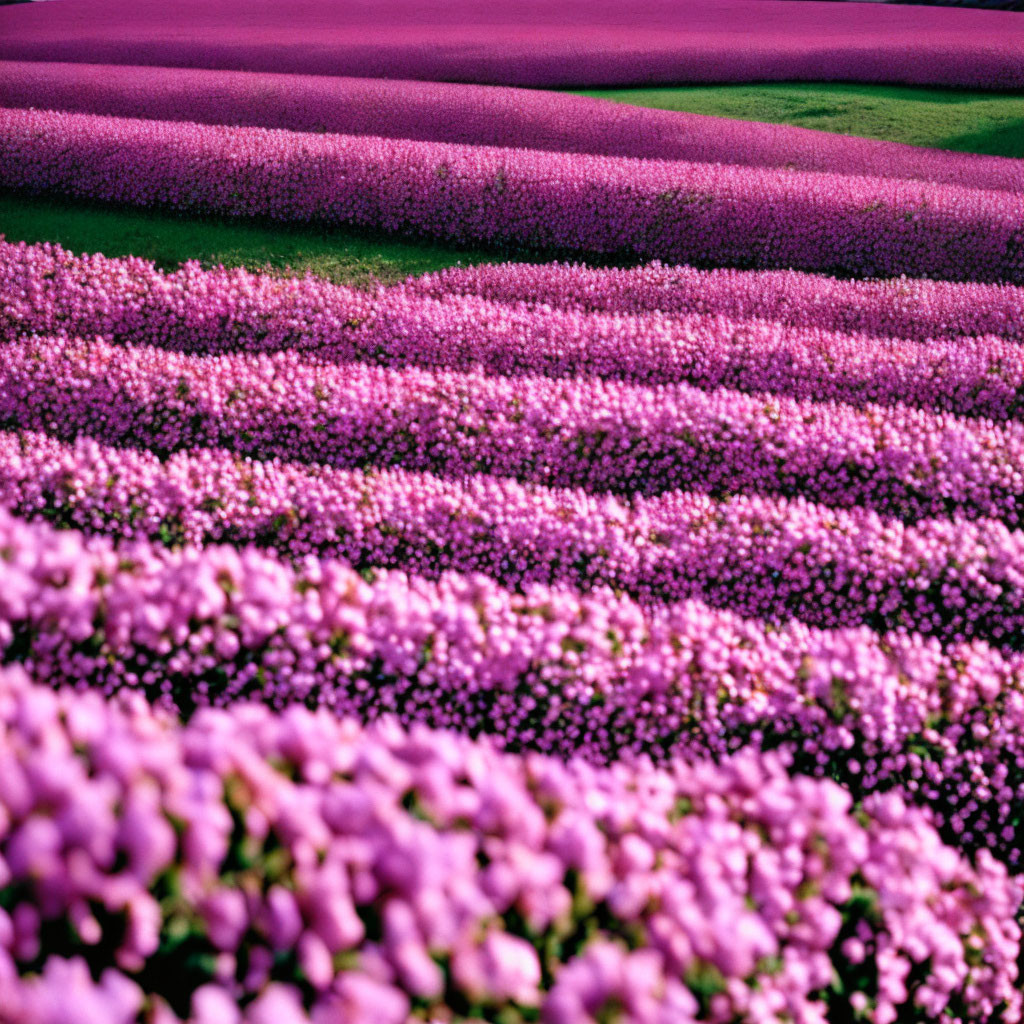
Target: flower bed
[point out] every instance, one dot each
(191, 310)
(539, 42)
(566, 673)
(290, 868)
(913, 308)
(770, 558)
(476, 115)
(528, 199)
(600, 435)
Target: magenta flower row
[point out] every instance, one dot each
(600, 435)
(579, 203)
(539, 42)
(551, 669)
(768, 558)
(47, 291)
(477, 115)
(901, 307)
(314, 871)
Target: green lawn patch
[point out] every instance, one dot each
(340, 256)
(971, 122)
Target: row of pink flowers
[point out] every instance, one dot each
(314, 871)
(599, 435)
(770, 558)
(550, 669)
(901, 307)
(44, 290)
(538, 42)
(477, 115)
(527, 199)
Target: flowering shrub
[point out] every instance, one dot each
(477, 115)
(47, 290)
(761, 557)
(578, 203)
(567, 673)
(309, 870)
(587, 433)
(538, 42)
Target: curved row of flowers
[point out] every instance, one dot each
(308, 870)
(900, 307)
(48, 289)
(193, 310)
(579, 203)
(477, 115)
(601, 435)
(554, 43)
(550, 669)
(768, 558)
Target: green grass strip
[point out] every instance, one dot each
(969, 122)
(340, 256)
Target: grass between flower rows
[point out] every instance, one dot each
(966, 121)
(345, 257)
(969, 122)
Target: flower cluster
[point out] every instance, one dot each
(600, 435)
(550, 669)
(294, 868)
(477, 115)
(44, 289)
(538, 42)
(527, 199)
(768, 558)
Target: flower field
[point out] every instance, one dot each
(580, 204)
(567, 43)
(475, 115)
(625, 627)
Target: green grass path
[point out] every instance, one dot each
(967, 121)
(340, 256)
(970, 122)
